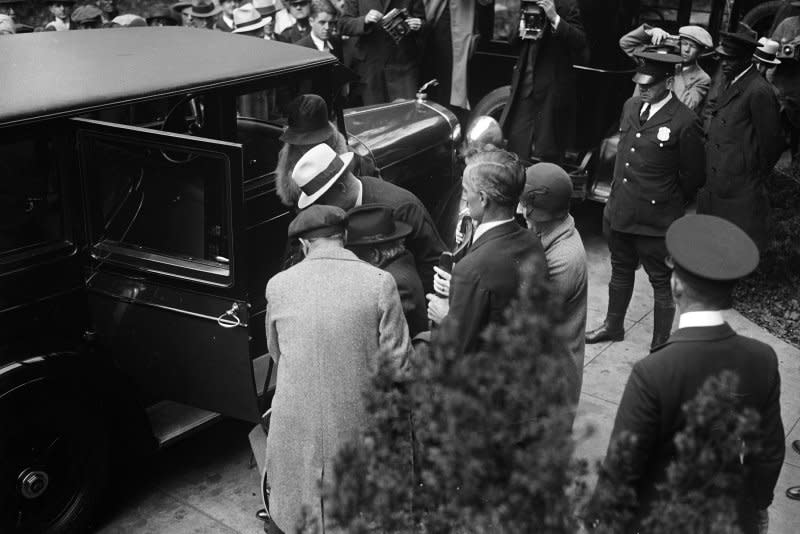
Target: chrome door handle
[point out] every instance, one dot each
(229, 319)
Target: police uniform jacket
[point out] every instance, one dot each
(743, 143)
(658, 169)
(661, 383)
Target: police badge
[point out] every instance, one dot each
(663, 134)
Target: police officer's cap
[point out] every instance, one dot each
(318, 220)
(711, 248)
(655, 66)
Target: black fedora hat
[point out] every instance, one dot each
(308, 121)
(742, 42)
(372, 224)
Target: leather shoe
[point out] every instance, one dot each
(262, 514)
(604, 333)
(793, 493)
(796, 446)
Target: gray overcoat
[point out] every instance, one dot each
(328, 318)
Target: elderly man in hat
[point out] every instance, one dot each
(743, 139)
(765, 58)
(374, 236)
(690, 83)
(709, 254)
(60, 10)
(347, 191)
(203, 14)
(331, 320)
(248, 21)
(267, 9)
(658, 169)
(183, 9)
(545, 205)
(87, 17)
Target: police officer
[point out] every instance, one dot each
(659, 168)
(709, 254)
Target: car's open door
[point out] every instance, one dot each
(167, 282)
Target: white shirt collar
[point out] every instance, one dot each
(485, 227)
(700, 318)
(745, 71)
(321, 45)
(654, 107)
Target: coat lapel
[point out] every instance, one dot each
(496, 232)
(734, 90)
(662, 115)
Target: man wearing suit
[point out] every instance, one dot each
(388, 69)
(659, 167)
(330, 320)
(743, 139)
(487, 279)
(374, 236)
(542, 107)
(709, 254)
(346, 191)
(323, 20)
(690, 83)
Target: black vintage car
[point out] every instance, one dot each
(604, 82)
(139, 225)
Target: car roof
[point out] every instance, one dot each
(50, 74)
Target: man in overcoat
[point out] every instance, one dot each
(330, 319)
(542, 107)
(709, 254)
(389, 69)
(658, 169)
(743, 139)
(487, 279)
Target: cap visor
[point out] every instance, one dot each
(305, 200)
(645, 79)
(314, 137)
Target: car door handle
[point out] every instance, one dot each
(230, 319)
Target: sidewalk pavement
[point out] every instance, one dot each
(207, 484)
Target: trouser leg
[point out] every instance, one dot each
(653, 253)
(624, 260)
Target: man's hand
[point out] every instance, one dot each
(414, 24)
(373, 16)
(549, 9)
(657, 35)
(437, 308)
(441, 282)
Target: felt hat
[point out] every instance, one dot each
(86, 13)
(204, 9)
(307, 117)
(711, 248)
(247, 19)
(740, 43)
(697, 34)
(161, 11)
(318, 221)
(265, 7)
(655, 66)
(547, 192)
(372, 224)
(178, 7)
(317, 171)
(767, 52)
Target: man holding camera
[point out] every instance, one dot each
(539, 119)
(786, 79)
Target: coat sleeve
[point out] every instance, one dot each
(570, 30)
(394, 342)
(768, 465)
(635, 40)
(352, 20)
(469, 307)
(765, 114)
(272, 331)
(691, 174)
(424, 241)
(697, 91)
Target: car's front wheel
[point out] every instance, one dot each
(53, 458)
(492, 104)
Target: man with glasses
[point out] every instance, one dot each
(300, 10)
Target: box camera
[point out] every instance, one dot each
(790, 50)
(533, 20)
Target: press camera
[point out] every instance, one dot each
(533, 20)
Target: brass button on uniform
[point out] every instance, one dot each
(638, 134)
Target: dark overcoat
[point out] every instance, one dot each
(658, 170)
(383, 65)
(335, 42)
(550, 115)
(743, 143)
(424, 241)
(409, 286)
(487, 279)
(661, 383)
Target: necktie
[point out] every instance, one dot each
(645, 114)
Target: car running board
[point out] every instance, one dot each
(172, 421)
